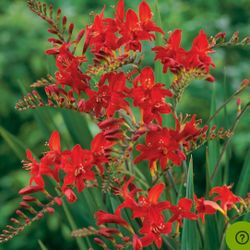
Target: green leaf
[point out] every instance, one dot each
(243, 185)
(44, 116)
(211, 240)
(42, 246)
(15, 144)
(78, 127)
(80, 242)
(190, 237)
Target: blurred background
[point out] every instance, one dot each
(23, 39)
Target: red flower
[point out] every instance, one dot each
(51, 162)
(135, 30)
(204, 207)
(153, 232)
(148, 206)
(171, 55)
(150, 212)
(100, 36)
(78, 168)
(227, 198)
(161, 145)
(189, 132)
(175, 58)
(69, 72)
(150, 96)
(108, 98)
(198, 55)
(182, 210)
(98, 146)
(128, 196)
(34, 168)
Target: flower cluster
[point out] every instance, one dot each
(76, 164)
(150, 211)
(177, 59)
(129, 106)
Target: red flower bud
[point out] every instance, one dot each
(30, 190)
(50, 210)
(58, 201)
(29, 198)
(70, 195)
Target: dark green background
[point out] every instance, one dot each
(23, 39)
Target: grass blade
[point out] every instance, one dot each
(78, 128)
(190, 238)
(79, 241)
(42, 246)
(243, 185)
(15, 144)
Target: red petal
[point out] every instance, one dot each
(213, 205)
(185, 203)
(29, 155)
(200, 42)
(147, 78)
(175, 39)
(155, 193)
(120, 10)
(76, 154)
(131, 19)
(145, 12)
(137, 244)
(54, 141)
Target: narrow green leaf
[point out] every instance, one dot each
(208, 174)
(42, 246)
(211, 240)
(78, 127)
(190, 237)
(80, 241)
(15, 144)
(211, 236)
(43, 116)
(243, 185)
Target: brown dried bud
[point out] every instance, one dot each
(220, 35)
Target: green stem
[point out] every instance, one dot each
(225, 103)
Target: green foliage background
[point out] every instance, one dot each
(23, 38)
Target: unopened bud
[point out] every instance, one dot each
(30, 190)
